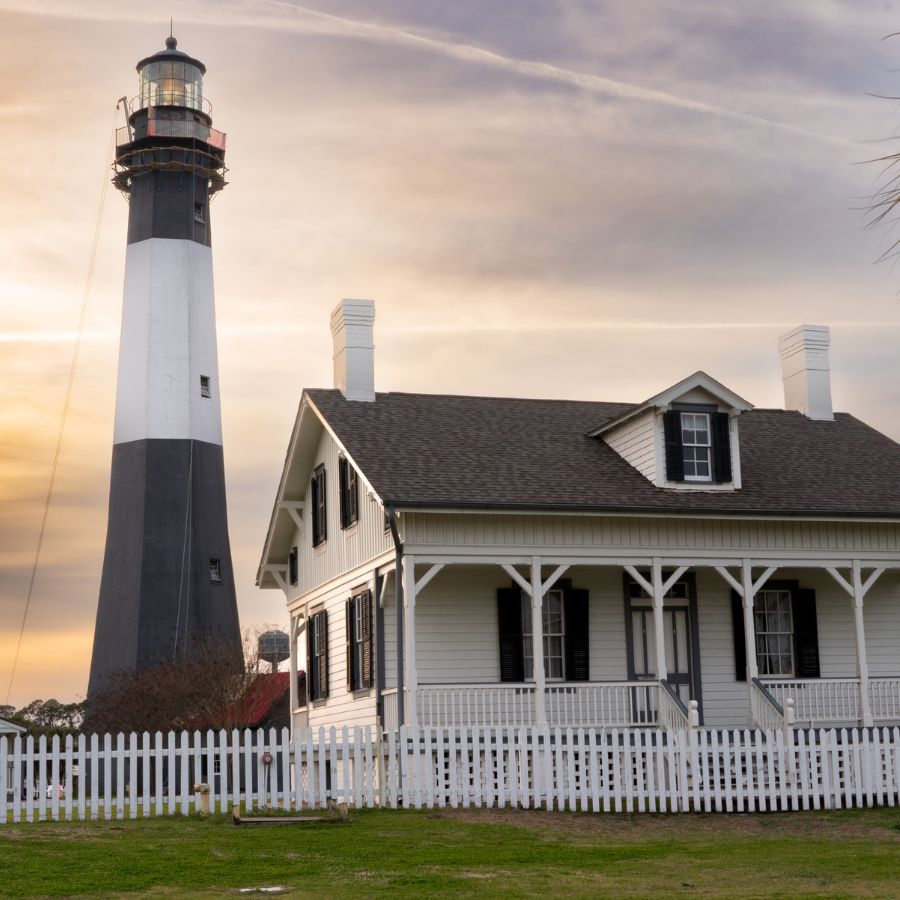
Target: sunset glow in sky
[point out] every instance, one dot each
(551, 198)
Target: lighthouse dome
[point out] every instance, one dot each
(171, 78)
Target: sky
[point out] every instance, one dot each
(549, 198)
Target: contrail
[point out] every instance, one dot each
(596, 84)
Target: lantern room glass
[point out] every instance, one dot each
(171, 83)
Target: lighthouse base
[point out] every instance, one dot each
(167, 585)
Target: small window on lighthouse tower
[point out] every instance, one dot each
(215, 571)
(205, 390)
(199, 212)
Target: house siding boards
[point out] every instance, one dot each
(635, 442)
(343, 549)
(882, 621)
(633, 534)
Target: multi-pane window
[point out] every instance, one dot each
(554, 636)
(697, 444)
(774, 623)
(349, 489)
(317, 497)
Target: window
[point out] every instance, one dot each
(697, 445)
(215, 571)
(774, 623)
(786, 632)
(554, 636)
(359, 642)
(349, 491)
(317, 654)
(566, 639)
(317, 496)
(199, 213)
(204, 387)
(293, 573)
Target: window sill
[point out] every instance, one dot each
(351, 529)
(320, 547)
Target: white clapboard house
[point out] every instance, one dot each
(459, 561)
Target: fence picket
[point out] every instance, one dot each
(132, 792)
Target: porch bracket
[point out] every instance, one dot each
(428, 576)
(294, 508)
(633, 572)
(519, 580)
(667, 584)
(383, 592)
(278, 573)
(557, 574)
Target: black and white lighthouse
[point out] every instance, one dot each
(167, 579)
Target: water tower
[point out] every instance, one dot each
(274, 646)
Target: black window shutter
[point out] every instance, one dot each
(321, 508)
(292, 566)
(740, 645)
(310, 659)
(367, 674)
(349, 618)
(509, 616)
(674, 448)
(352, 495)
(577, 638)
(342, 491)
(721, 446)
(806, 633)
(322, 642)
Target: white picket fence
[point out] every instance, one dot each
(628, 770)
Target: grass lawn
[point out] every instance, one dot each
(487, 853)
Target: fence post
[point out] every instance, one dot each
(693, 714)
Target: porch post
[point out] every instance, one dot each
(409, 616)
(295, 626)
(747, 597)
(537, 639)
(861, 657)
(662, 672)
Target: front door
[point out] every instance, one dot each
(676, 627)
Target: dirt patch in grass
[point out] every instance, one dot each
(833, 825)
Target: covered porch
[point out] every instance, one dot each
(653, 664)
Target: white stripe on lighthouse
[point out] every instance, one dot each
(168, 342)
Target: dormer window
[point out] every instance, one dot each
(698, 445)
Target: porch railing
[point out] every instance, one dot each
(616, 704)
(621, 704)
(467, 705)
(884, 699)
(768, 713)
(673, 714)
(390, 715)
(819, 701)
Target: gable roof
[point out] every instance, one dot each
(7, 727)
(433, 450)
(662, 400)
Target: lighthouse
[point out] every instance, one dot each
(167, 584)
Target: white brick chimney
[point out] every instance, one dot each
(806, 371)
(352, 329)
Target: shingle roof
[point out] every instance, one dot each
(438, 450)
